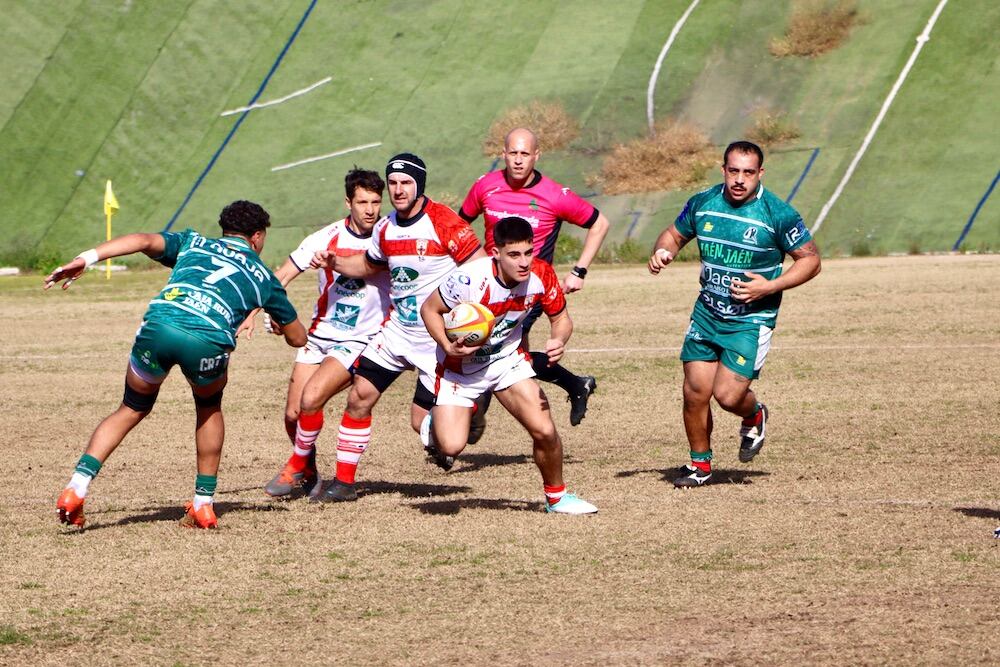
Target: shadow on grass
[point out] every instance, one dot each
(452, 507)
(719, 475)
(410, 490)
(979, 512)
(174, 514)
(478, 461)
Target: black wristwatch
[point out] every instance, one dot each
(579, 272)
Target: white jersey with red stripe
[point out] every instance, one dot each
(347, 308)
(479, 282)
(419, 253)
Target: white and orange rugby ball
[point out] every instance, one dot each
(473, 320)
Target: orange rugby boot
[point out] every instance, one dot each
(70, 508)
(204, 517)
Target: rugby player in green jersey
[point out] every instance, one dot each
(214, 285)
(744, 232)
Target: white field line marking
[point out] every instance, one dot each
(922, 39)
(271, 103)
(328, 155)
(602, 350)
(659, 62)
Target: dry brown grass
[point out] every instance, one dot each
(854, 538)
(675, 157)
(550, 122)
(815, 27)
(772, 128)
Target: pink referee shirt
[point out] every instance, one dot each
(542, 202)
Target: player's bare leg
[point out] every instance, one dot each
(734, 394)
(209, 434)
(451, 428)
(104, 440)
(301, 374)
(527, 403)
(322, 382)
(699, 378)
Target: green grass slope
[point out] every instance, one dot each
(133, 92)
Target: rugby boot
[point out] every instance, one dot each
(70, 508)
(752, 433)
(285, 482)
(689, 476)
(338, 492)
(570, 504)
(203, 517)
(578, 399)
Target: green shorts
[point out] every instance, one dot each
(741, 348)
(158, 347)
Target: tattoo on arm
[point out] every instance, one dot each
(808, 249)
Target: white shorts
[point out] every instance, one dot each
(317, 349)
(398, 350)
(463, 390)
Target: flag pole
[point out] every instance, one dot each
(110, 206)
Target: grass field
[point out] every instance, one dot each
(133, 91)
(860, 535)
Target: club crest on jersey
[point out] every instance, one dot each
(708, 226)
(750, 235)
(172, 294)
(421, 249)
(345, 317)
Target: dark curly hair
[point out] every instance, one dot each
(244, 218)
(360, 178)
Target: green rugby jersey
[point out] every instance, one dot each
(753, 237)
(214, 285)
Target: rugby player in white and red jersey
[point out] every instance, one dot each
(348, 313)
(510, 283)
(521, 190)
(419, 243)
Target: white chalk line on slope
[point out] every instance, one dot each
(922, 39)
(659, 62)
(271, 103)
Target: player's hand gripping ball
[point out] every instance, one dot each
(472, 320)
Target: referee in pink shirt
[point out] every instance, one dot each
(520, 190)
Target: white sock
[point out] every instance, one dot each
(201, 501)
(79, 483)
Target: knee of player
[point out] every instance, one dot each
(696, 396)
(544, 435)
(728, 399)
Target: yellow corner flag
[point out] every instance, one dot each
(110, 206)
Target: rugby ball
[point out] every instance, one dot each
(473, 320)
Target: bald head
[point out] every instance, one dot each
(520, 152)
(523, 136)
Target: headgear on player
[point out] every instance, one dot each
(411, 165)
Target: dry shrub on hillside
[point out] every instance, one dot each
(675, 157)
(550, 122)
(772, 128)
(816, 26)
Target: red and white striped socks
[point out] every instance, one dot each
(352, 441)
(306, 431)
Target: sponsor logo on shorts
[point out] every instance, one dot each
(693, 333)
(345, 316)
(741, 360)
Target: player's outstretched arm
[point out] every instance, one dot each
(152, 245)
(667, 245)
(561, 329)
(591, 246)
(353, 266)
(285, 274)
